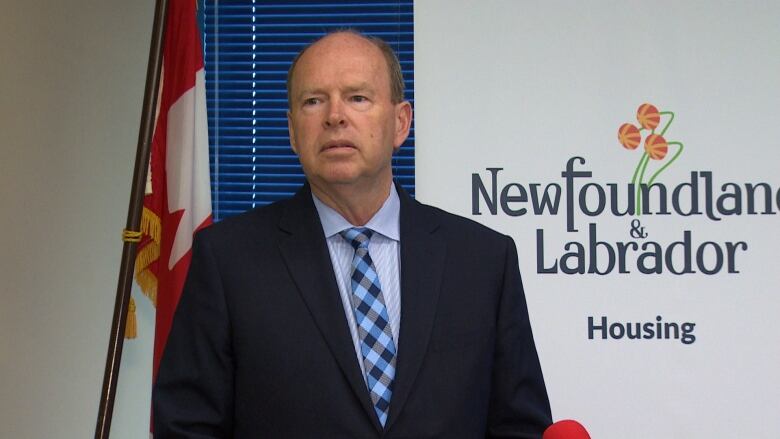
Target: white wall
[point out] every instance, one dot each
(71, 84)
(526, 86)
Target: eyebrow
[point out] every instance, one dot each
(363, 86)
(360, 87)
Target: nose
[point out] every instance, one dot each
(335, 115)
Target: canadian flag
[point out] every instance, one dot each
(178, 199)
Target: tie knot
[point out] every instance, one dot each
(357, 236)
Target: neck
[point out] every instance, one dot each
(356, 205)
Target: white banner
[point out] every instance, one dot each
(649, 260)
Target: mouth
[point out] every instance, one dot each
(335, 145)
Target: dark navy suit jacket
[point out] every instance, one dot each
(260, 346)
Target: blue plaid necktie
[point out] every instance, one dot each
(376, 339)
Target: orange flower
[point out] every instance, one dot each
(656, 146)
(629, 136)
(648, 116)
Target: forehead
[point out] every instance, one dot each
(341, 58)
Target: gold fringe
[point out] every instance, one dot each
(148, 283)
(143, 275)
(131, 328)
(150, 225)
(146, 256)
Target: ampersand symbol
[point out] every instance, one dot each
(637, 230)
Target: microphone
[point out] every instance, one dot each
(566, 429)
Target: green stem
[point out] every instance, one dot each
(640, 170)
(667, 164)
(638, 165)
(668, 123)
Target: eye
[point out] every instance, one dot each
(358, 98)
(310, 101)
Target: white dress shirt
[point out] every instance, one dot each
(384, 249)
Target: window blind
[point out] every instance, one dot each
(249, 46)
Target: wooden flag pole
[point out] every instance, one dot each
(146, 130)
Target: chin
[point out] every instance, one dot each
(340, 175)
(338, 179)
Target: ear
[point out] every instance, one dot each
(403, 123)
(292, 132)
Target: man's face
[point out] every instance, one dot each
(343, 124)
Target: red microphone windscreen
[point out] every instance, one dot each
(566, 429)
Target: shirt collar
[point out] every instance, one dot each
(385, 221)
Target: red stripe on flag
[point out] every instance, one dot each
(182, 59)
(182, 52)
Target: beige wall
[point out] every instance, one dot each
(71, 83)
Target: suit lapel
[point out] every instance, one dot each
(306, 254)
(422, 265)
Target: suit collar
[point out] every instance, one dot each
(305, 253)
(422, 265)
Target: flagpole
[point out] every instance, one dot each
(114, 356)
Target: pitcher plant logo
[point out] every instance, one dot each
(648, 202)
(656, 146)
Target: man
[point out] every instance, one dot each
(350, 310)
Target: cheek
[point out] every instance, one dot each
(305, 134)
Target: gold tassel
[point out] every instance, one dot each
(131, 329)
